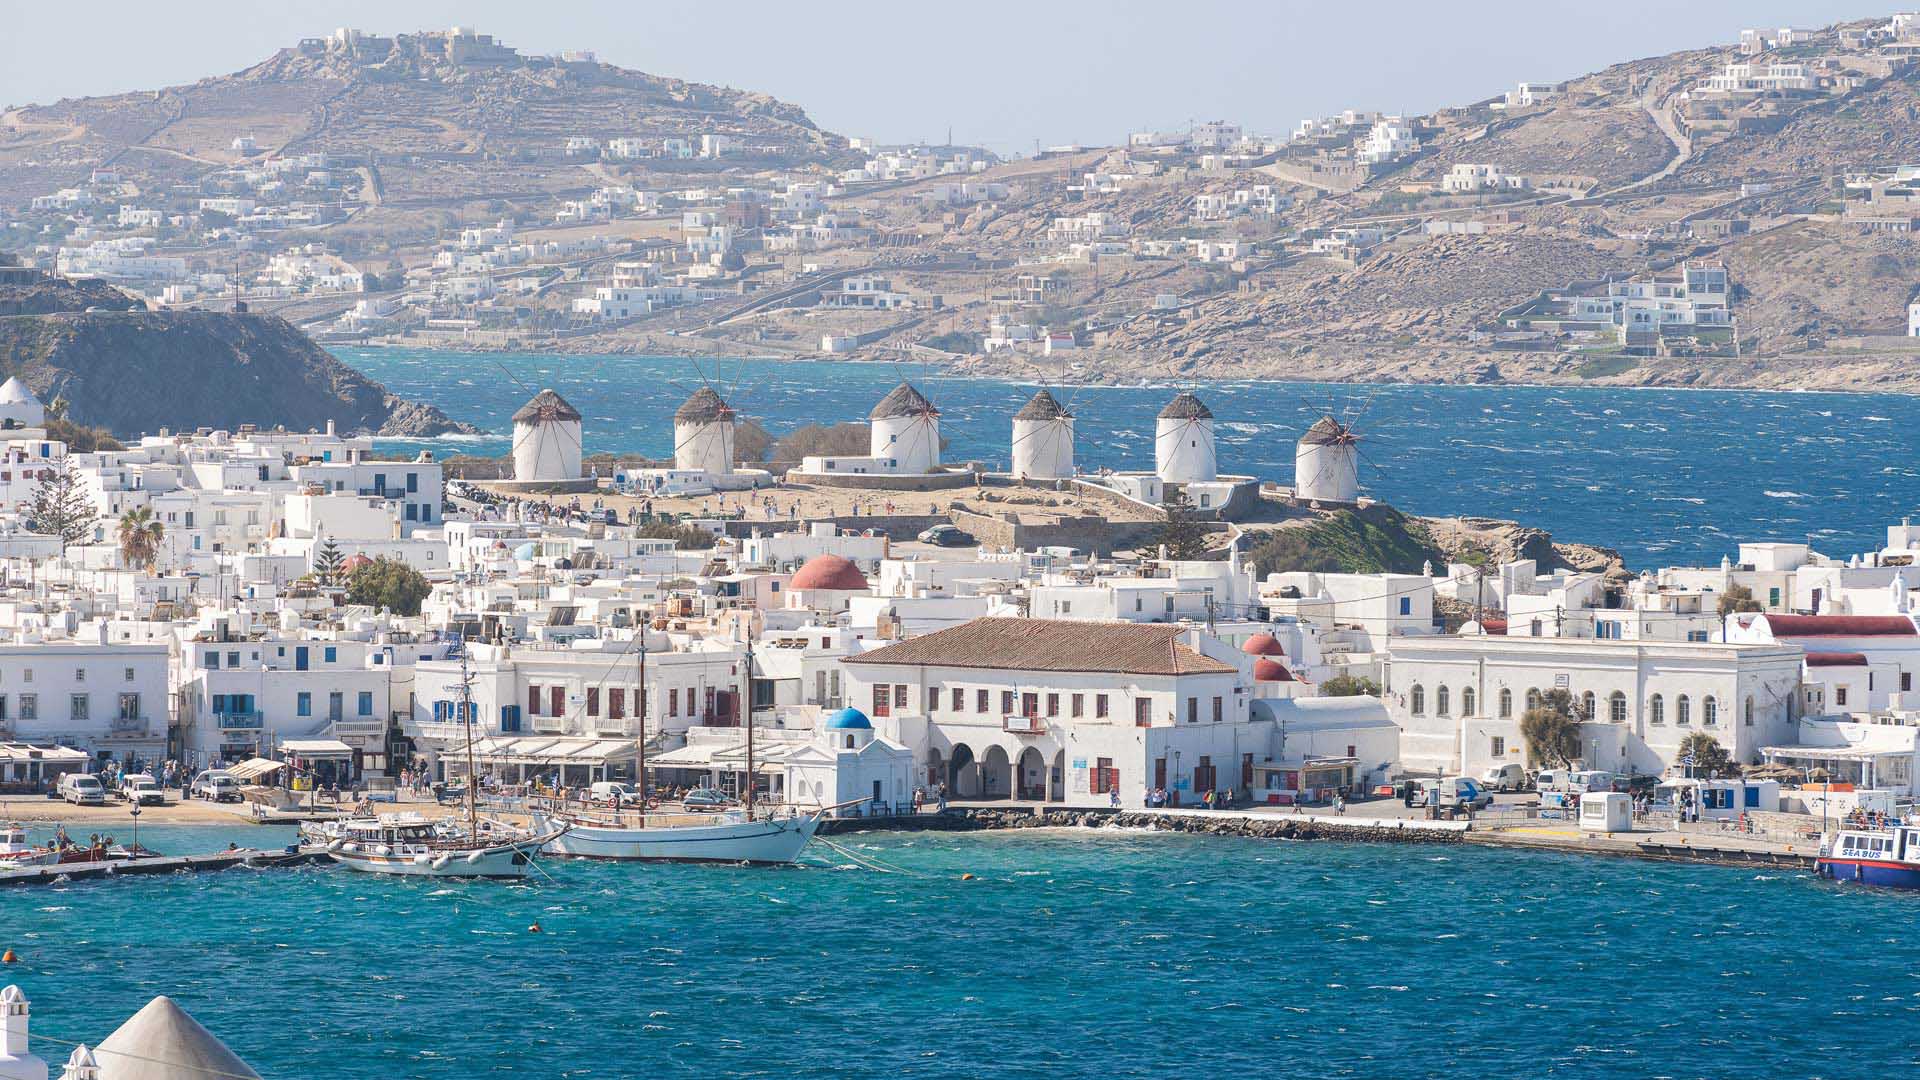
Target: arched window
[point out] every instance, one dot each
(1710, 711)
(1683, 711)
(1657, 710)
(1466, 701)
(1749, 712)
(1419, 699)
(1617, 707)
(1533, 700)
(1506, 704)
(1440, 702)
(1586, 705)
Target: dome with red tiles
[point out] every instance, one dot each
(829, 572)
(1269, 670)
(354, 564)
(1263, 645)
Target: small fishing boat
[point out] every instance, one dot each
(409, 845)
(1888, 856)
(15, 851)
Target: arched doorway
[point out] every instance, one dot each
(1030, 778)
(1057, 778)
(996, 774)
(936, 770)
(963, 773)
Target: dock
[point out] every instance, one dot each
(60, 873)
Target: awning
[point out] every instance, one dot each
(1828, 753)
(725, 758)
(255, 768)
(316, 748)
(58, 755)
(545, 750)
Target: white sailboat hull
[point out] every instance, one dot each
(512, 860)
(777, 840)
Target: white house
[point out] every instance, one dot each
(847, 763)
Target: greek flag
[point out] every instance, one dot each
(1688, 760)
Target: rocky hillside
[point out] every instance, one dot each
(397, 101)
(129, 370)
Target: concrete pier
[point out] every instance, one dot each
(166, 864)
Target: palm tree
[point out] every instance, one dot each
(140, 534)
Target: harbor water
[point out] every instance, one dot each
(1071, 954)
(1665, 476)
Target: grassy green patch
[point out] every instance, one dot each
(1378, 539)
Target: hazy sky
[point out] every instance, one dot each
(1000, 72)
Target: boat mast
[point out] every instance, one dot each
(640, 629)
(466, 718)
(746, 708)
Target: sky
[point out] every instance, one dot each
(999, 73)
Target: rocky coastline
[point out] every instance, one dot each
(1253, 826)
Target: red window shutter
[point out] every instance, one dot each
(557, 697)
(533, 700)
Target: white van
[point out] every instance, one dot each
(610, 791)
(142, 789)
(82, 789)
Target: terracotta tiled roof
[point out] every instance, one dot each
(1049, 645)
(1799, 626)
(1263, 644)
(1267, 669)
(1836, 659)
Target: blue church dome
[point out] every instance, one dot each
(850, 718)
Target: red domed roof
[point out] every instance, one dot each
(354, 562)
(1263, 645)
(829, 572)
(1268, 670)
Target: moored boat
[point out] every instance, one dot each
(1887, 856)
(15, 851)
(729, 836)
(412, 846)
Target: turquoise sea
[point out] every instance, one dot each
(1665, 476)
(1071, 955)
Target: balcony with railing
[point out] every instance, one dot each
(1024, 725)
(359, 725)
(238, 721)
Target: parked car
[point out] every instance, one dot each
(82, 789)
(947, 536)
(141, 789)
(1457, 793)
(1508, 777)
(705, 799)
(610, 791)
(219, 785)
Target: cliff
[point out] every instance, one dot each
(140, 371)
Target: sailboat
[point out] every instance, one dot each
(744, 835)
(410, 845)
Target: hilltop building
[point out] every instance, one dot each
(1042, 439)
(703, 453)
(903, 448)
(1326, 465)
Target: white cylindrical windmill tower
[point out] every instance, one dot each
(703, 434)
(906, 428)
(1042, 440)
(1326, 463)
(546, 440)
(1183, 442)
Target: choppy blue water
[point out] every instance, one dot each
(1666, 476)
(1071, 956)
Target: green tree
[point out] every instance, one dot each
(1551, 730)
(140, 534)
(1737, 598)
(390, 584)
(1349, 686)
(1710, 759)
(326, 562)
(1182, 535)
(60, 507)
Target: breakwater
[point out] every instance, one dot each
(1201, 822)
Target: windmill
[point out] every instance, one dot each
(1326, 460)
